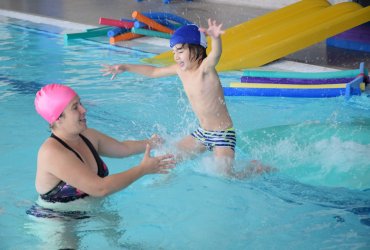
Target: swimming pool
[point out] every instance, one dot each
(319, 199)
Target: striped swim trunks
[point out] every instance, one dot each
(211, 139)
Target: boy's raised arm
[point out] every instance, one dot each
(215, 32)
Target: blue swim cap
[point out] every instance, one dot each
(189, 34)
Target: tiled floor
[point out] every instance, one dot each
(89, 12)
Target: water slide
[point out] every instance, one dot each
(281, 32)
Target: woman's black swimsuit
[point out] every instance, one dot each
(64, 192)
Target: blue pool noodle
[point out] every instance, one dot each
(168, 16)
(268, 92)
(127, 20)
(348, 44)
(116, 31)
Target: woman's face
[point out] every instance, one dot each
(74, 116)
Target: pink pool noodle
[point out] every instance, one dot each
(117, 23)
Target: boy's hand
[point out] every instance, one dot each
(112, 69)
(213, 30)
(156, 141)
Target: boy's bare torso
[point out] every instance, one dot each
(206, 97)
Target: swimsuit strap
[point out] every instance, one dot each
(61, 184)
(102, 170)
(63, 192)
(99, 161)
(66, 145)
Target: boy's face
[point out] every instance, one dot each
(181, 55)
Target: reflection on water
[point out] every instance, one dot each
(69, 229)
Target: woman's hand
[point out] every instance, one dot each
(156, 165)
(113, 69)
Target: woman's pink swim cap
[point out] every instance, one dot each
(52, 99)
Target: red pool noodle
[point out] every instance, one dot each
(117, 23)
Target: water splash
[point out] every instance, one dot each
(327, 154)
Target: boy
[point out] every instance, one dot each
(203, 88)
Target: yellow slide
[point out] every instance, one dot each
(282, 32)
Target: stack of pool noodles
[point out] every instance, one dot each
(300, 84)
(156, 24)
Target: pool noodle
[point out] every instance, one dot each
(147, 32)
(87, 34)
(306, 93)
(117, 23)
(124, 37)
(116, 31)
(246, 79)
(349, 88)
(138, 24)
(151, 23)
(176, 26)
(307, 75)
(168, 16)
(127, 20)
(348, 44)
(100, 28)
(286, 86)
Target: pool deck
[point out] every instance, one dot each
(88, 12)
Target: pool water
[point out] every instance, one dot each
(318, 199)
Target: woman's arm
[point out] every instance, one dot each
(108, 146)
(149, 165)
(65, 166)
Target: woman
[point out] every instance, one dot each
(69, 166)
